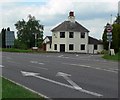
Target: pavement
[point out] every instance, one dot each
(63, 75)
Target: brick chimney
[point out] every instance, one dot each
(71, 17)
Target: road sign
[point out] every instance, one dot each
(109, 37)
(109, 33)
(109, 28)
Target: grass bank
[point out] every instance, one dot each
(11, 90)
(116, 57)
(20, 50)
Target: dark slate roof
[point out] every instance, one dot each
(93, 41)
(50, 38)
(70, 26)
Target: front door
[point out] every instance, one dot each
(62, 47)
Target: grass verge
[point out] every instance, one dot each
(21, 51)
(12, 90)
(114, 58)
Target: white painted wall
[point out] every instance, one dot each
(77, 41)
(48, 47)
(91, 48)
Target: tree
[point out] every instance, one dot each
(104, 38)
(8, 29)
(115, 38)
(3, 37)
(26, 31)
(117, 21)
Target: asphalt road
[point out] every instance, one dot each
(59, 75)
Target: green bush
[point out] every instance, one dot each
(104, 52)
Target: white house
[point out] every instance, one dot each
(70, 36)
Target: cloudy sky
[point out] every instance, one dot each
(92, 14)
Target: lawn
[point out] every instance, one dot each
(114, 58)
(21, 51)
(12, 90)
(15, 50)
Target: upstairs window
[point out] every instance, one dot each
(82, 46)
(71, 47)
(62, 34)
(95, 47)
(82, 35)
(71, 34)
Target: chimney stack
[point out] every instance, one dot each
(71, 17)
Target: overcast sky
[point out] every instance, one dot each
(92, 14)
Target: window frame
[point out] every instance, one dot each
(95, 47)
(55, 46)
(81, 48)
(71, 36)
(71, 47)
(50, 45)
(61, 35)
(81, 35)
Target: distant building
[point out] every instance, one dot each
(70, 36)
(9, 39)
(119, 8)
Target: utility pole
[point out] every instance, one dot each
(111, 19)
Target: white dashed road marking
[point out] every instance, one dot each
(109, 70)
(1, 66)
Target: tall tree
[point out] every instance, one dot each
(117, 21)
(104, 38)
(8, 29)
(27, 30)
(3, 37)
(115, 38)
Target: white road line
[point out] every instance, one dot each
(8, 57)
(41, 63)
(60, 56)
(1, 66)
(66, 77)
(92, 67)
(35, 62)
(59, 83)
(28, 65)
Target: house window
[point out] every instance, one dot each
(95, 47)
(82, 35)
(82, 46)
(55, 46)
(71, 47)
(50, 45)
(62, 34)
(71, 35)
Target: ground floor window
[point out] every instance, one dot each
(95, 47)
(82, 46)
(71, 47)
(50, 45)
(55, 46)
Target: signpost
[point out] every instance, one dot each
(35, 48)
(109, 35)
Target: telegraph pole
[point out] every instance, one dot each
(111, 19)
